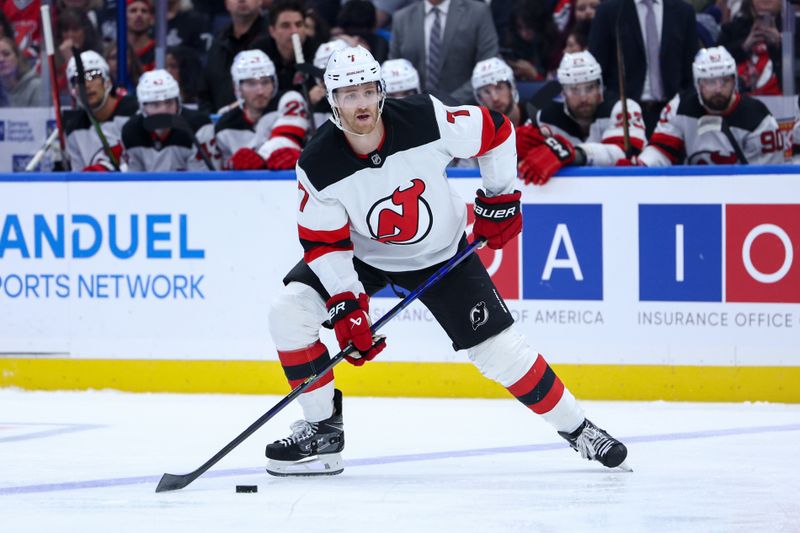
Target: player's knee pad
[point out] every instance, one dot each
(295, 317)
(505, 358)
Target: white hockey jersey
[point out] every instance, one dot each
(83, 145)
(605, 143)
(283, 125)
(394, 208)
(687, 134)
(144, 151)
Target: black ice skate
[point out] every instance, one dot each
(313, 448)
(594, 444)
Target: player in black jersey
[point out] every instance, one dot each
(375, 207)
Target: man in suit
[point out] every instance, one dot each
(444, 39)
(659, 42)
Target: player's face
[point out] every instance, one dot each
(95, 87)
(257, 92)
(583, 98)
(164, 107)
(358, 107)
(497, 97)
(717, 92)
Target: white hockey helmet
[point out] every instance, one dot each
(579, 67)
(323, 53)
(399, 75)
(351, 66)
(491, 71)
(157, 86)
(249, 65)
(91, 61)
(714, 62)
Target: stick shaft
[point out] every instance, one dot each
(47, 29)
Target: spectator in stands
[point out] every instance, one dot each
(84, 148)
(21, 85)
(444, 39)
(149, 149)
(659, 41)
(188, 27)
(246, 31)
(25, 20)
(5, 28)
(317, 28)
(578, 37)
(73, 29)
(183, 64)
(753, 38)
(714, 124)
(267, 129)
(288, 17)
(587, 129)
(585, 10)
(535, 47)
(400, 77)
(134, 66)
(140, 22)
(357, 19)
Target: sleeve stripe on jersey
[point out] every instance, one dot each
(496, 129)
(318, 243)
(636, 143)
(669, 145)
(294, 133)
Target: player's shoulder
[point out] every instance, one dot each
(748, 114)
(134, 134)
(553, 114)
(233, 120)
(688, 104)
(196, 119)
(412, 120)
(75, 119)
(127, 107)
(326, 158)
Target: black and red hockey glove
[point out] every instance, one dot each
(247, 159)
(349, 317)
(498, 219)
(539, 165)
(528, 138)
(283, 159)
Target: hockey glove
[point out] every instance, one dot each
(247, 159)
(541, 163)
(528, 138)
(349, 317)
(99, 167)
(497, 219)
(283, 159)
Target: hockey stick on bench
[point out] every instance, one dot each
(178, 481)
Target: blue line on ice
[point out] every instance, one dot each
(390, 459)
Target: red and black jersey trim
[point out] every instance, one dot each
(495, 130)
(747, 113)
(235, 119)
(554, 113)
(318, 243)
(410, 122)
(540, 388)
(670, 146)
(299, 365)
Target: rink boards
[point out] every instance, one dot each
(679, 284)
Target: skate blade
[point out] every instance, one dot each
(321, 465)
(623, 466)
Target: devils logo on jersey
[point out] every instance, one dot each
(478, 315)
(404, 217)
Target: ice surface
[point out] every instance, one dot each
(90, 462)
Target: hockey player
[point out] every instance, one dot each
(585, 130)
(494, 87)
(375, 208)
(714, 123)
(84, 148)
(321, 110)
(267, 129)
(400, 77)
(165, 149)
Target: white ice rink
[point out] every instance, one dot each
(89, 462)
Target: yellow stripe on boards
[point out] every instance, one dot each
(434, 380)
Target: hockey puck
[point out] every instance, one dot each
(246, 488)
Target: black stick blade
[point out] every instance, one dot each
(172, 482)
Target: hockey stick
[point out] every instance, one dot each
(37, 157)
(626, 132)
(85, 103)
(165, 121)
(300, 59)
(47, 30)
(174, 482)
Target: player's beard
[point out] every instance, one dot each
(584, 111)
(717, 102)
(361, 121)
